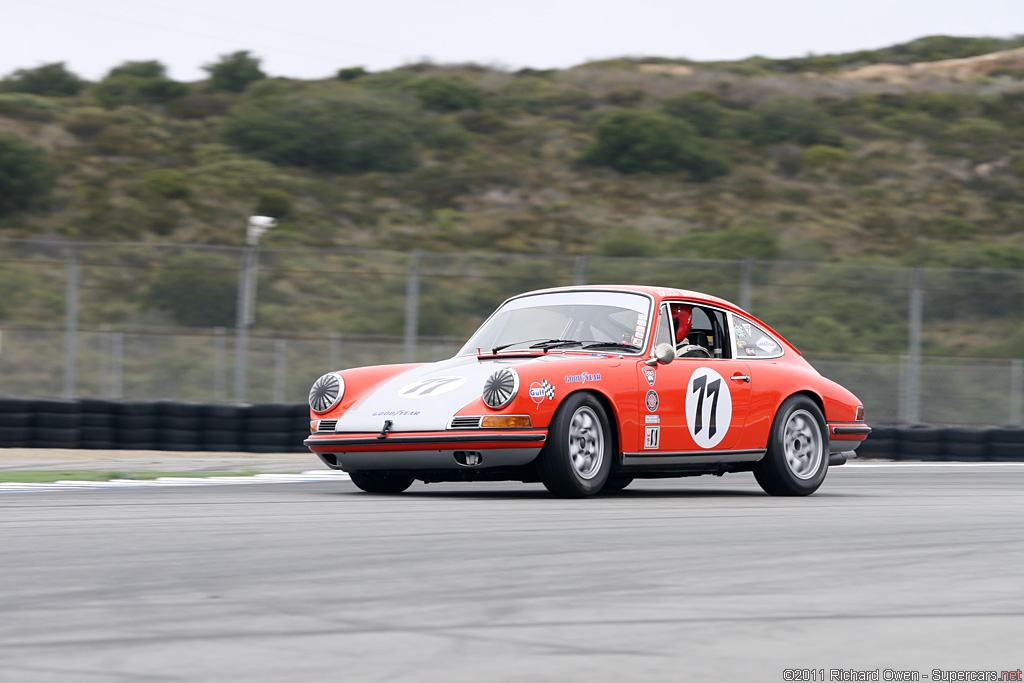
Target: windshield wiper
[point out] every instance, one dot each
(555, 343)
(613, 345)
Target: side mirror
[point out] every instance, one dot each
(663, 354)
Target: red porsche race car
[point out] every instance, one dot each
(586, 389)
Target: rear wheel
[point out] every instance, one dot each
(797, 458)
(577, 456)
(380, 482)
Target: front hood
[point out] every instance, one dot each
(425, 398)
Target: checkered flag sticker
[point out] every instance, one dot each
(549, 390)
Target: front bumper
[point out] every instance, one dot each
(426, 450)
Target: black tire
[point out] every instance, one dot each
(380, 482)
(273, 424)
(797, 458)
(15, 419)
(577, 469)
(615, 483)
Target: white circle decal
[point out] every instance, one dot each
(708, 407)
(431, 387)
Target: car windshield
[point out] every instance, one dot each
(566, 320)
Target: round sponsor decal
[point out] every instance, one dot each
(652, 400)
(431, 387)
(708, 407)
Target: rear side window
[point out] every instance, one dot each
(752, 341)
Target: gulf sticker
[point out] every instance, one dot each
(708, 407)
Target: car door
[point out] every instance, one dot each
(693, 404)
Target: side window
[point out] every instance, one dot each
(752, 341)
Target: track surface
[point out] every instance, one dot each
(905, 567)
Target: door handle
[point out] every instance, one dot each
(745, 378)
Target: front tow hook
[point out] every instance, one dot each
(385, 429)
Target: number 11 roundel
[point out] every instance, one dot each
(708, 407)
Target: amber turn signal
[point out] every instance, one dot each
(506, 421)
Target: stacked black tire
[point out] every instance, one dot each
(944, 443)
(152, 425)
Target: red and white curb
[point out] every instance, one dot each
(301, 478)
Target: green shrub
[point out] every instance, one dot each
(138, 83)
(634, 141)
(791, 118)
(351, 73)
(274, 203)
(737, 242)
(167, 182)
(344, 132)
(28, 107)
(49, 80)
(483, 122)
(823, 155)
(234, 72)
(701, 110)
(87, 123)
(916, 123)
(629, 243)
(196, 289)
(445, 94)
(625, 97)
(976, 138)
(201, 105)
(25, 176)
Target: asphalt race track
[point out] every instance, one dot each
(906, 567)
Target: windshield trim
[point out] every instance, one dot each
(648, 334)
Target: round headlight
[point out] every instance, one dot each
(326, 392)
(500, 388)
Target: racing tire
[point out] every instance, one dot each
(797, 459)
(380, 482)
(616, 483)
(577, 458)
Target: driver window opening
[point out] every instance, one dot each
(698, 332)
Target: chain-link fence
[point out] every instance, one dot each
(162, 321)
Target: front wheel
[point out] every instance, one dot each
(380, 482)
(797, 458)
(577, 456)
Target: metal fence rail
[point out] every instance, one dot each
(99, 319)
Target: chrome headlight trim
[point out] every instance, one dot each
(500, 388)
(326, 392)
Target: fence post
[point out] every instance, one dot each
(117, 364)
(220, 355)
(747, 285)
(246, 315)
(579, 277)
(412, 307)
(280, 369)
(71, 322)
(914, 322)
(1016, 391)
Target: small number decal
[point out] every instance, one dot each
(708, 407)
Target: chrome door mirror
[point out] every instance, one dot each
(663, 354)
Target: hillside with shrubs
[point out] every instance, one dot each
(810, 158)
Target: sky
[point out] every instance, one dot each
(314, 38)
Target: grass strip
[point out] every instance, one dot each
(50, 476)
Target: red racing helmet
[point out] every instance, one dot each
(682, 317)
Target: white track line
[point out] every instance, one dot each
(67, 484)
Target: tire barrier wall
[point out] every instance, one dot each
(940, 442)
(282, 427)
(153, 425)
